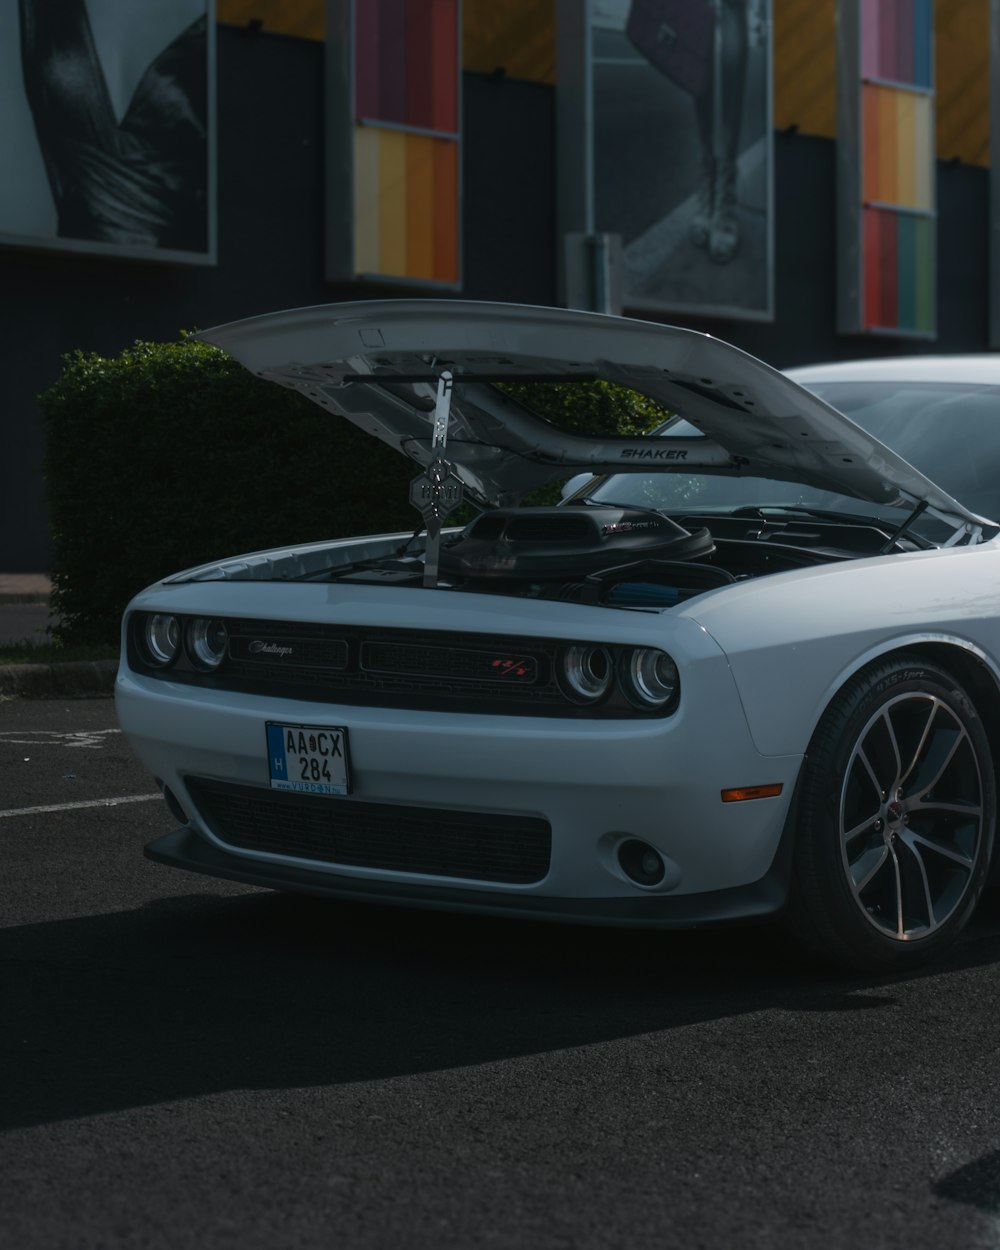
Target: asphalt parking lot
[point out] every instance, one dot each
(192, 1063)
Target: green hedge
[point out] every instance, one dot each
(171, 455)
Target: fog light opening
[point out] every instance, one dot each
(641, 863)
(178, 812)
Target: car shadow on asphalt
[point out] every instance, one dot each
(202, 993)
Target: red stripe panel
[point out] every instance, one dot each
(889, 269)
(392, 59)
(366, 95)
(444, 24)
(419, 64)
(880, 267)
(871, 267)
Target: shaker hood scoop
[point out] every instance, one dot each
(377, 363)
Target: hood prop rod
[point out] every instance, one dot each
(897, 534)
(438, 490)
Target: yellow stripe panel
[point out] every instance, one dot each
(392, 202)
(366, 200)
(906, 185)
(923, 146)
(869, 143)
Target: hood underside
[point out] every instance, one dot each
(378, 364)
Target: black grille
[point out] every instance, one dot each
(298, 651)
(360, 666)
(445, 663)
(512, 850)
(395, 667)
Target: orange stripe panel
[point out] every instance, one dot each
(887, 142)
(445, 210)
(419, 207)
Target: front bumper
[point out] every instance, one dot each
(761, 900)
(594, 783)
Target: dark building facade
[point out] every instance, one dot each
(271, 236)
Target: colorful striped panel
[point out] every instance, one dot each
(898, 250)
(406, 63)
(896, 41)
(405, 205)
(898, 135)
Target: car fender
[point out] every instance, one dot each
(793, 640)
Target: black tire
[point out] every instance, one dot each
(896, 820)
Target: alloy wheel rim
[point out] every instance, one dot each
(911, 817)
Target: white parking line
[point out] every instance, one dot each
(69, 807)
(92, 738)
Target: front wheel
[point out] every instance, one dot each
(896, 819)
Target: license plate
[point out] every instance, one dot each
(311, 759)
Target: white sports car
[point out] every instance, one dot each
(748, 668)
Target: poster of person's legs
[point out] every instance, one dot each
(106, 126)
(682, 151)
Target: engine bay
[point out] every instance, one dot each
(618, 556)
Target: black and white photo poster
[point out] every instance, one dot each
(681, 151)
(106, 126)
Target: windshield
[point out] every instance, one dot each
(946, 430)
(949, 431)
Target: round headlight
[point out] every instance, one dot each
(587, 673)
(650, 677)
(160, 635)
(207, 642)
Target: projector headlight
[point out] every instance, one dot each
(207, 642)
(649, 678)
(159, 638)
(586, 673)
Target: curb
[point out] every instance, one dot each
(22, 596)
(58, 680)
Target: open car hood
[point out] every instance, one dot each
(378, 363)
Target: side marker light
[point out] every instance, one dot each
(742, 793)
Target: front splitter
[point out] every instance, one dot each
(760, 900)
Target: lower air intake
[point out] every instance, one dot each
(510, 850)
